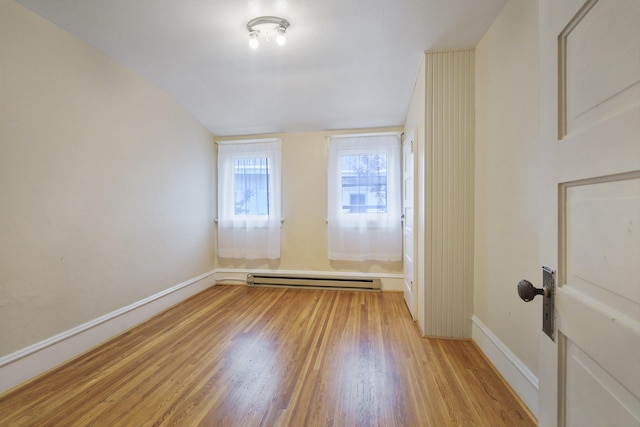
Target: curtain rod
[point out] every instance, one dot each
(245, 141)
(360, 135)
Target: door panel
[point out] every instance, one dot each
(589, 45)
(598, 396)
(590, 223)
(598, 301)
(601, 222)
(408, 196)
(610, 342)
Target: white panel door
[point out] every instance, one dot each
(590, 223)
(408, 232)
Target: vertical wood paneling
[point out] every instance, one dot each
(449, 186)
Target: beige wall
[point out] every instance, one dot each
(304, 209)
(506, 179)
(104, 184)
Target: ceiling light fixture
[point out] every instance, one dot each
(266, 27)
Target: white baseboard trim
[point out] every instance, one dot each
(390, 282)
(32, 361)
(516, 373)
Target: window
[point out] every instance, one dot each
(364, 183)
(364, 198)
(251, 186)
(249, 199)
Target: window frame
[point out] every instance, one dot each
(365, 236)
(231, 151)
(342, 146)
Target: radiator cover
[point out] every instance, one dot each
(312, 281)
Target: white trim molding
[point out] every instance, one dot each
(512, 369)
(30, 362)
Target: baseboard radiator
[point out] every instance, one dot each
(312, 281)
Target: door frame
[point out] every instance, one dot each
(411, 288)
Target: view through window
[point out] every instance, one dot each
(364, 183)
(251, 186)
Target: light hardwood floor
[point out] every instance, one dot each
(239, 356)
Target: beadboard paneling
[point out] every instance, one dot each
(449, 187)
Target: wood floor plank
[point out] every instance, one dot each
(240, 356)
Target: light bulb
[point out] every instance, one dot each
(253, 41)
(280, 38)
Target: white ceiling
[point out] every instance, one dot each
(347, 64)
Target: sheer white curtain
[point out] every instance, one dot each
(249, 211)
(364, 198)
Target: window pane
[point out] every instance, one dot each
(251, 191)
(364, 183)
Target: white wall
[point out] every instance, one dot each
(104, 184)
(507, 181)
